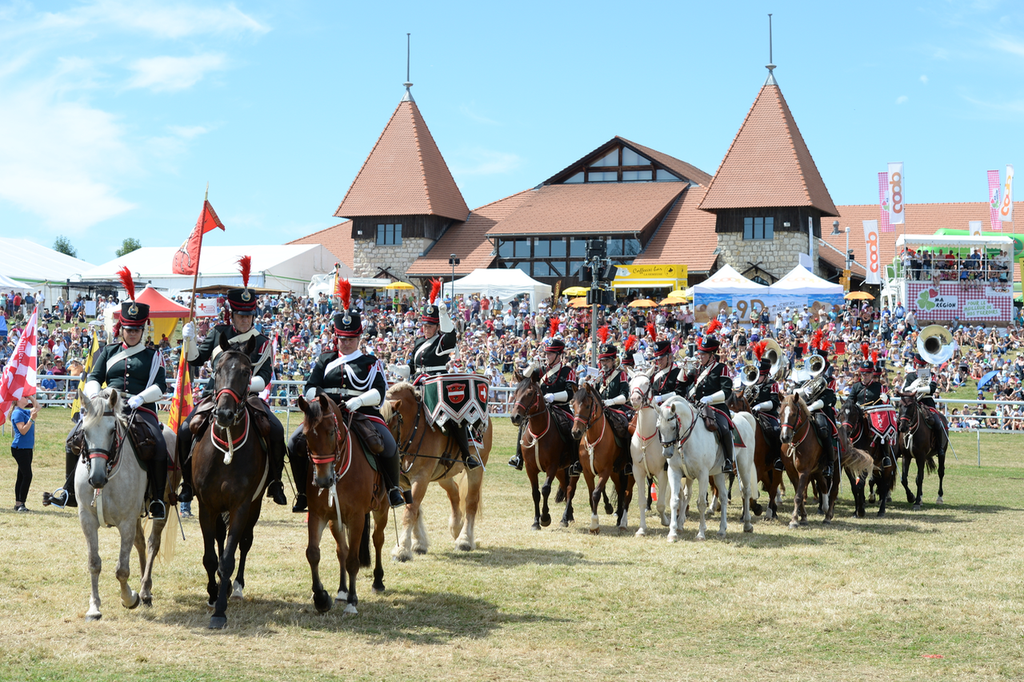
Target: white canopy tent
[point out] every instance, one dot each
(288, 267)
(324, 284)
(727, 281)
(34, 265)
(803, 281)
(8, 284)
(504, 284)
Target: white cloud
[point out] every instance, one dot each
(188, 132)
(1007, 44)
(483, 162)
(164, 21)
(924, 79)
(166, 74)
(902, 99)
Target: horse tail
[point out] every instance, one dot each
(364, 543)
(168, 542)
(858, 462)
(929, 463)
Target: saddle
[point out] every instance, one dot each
(708, 413)
(362, 426)
(143, 439)
(619, 423)
(563, 423)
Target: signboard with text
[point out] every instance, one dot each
(968, 301)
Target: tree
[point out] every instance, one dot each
(128, 245)
(63, 245)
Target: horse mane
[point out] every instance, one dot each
(97, 406)
(400, 386)
(313, 415)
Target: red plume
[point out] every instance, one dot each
(864, 350)
(816, 338)
(245, 266)
(825, 345)
(344, 292)
(874, 357)
(758, 349)
(631, 342)
(602, 333)
(126, 279)
(435, 289)
(652, 331)
(553, 327)
(713, 326)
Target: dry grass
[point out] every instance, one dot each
(868, 599)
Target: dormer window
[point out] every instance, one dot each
(621, 164)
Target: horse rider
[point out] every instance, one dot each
(242, 305)
(614, 384)
(820, 395)
(764, 400)
(558, 383)
(137, 372)
(628, 361)
(921, 384)
(710, 387)
(346, 374)
(430, 358)
(869, 390)
(664, 373)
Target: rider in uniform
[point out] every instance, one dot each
(242, 306)
(137, 372)
(614, 384)
(710, 387)
(664, 373)
(820, 395)
(558, 384)
(765, 401)
(921, 383)
(869, 390)
(346, 375)
(628, 361)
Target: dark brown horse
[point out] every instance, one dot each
(771, 480)
(229, 470)
(804, 457)
(920, 443)
(853, 419)
(544, 448)
(601, 457)
(344, 489)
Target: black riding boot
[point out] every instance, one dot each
(517, 459)
(157, 470)
(298, 460)
(725, 436)
(829, 455)
(275, 444)
(775, 450)
(184, 452)
(389, 471)
(65, 497)
(458, 432)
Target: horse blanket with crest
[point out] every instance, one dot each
(883, 420)
(461, 398)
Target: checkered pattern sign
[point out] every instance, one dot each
(968, 301)
(19, 376)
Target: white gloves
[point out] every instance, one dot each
(884, 398)
(369, 399)
(816, 405)
(135, 402)
(717, 397)
(91, 389)
(445, 320)
(401, 370)
(708, 399)
(617, 400)
(151, 394)
(761, 407)
(188, 331)
(310, 395)
(549, 397)
(530, 369)
(257, 384)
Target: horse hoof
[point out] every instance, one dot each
(545, 520)
(748, 528)
(826, 522)
(237, 591)
(536, 525)
(665, 522)
(342, 596)
(322, 601)
(939, 500)
(135, 604)
(351, 608)
(881, 513)
(910, 498)
(872, 499)
(93, 617)
(639, 533)
(464, 546)
(803, 522)
(672, 537)
(595, 531)
(147, 601)
(917, 507)
(420, 550)
(211, 605)
(564, 523)
(608, 509)
(400, 553)
(794, 524)
(378, 588)
(699, 537)
(721, 533)
(217, 623)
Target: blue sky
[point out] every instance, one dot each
(114, 115)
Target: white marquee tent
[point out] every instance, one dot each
(33, 265)
(505, 284)
(803, 281)
(728, 282)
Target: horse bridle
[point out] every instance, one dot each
(594, 414)
(796, 431)
(117, 442)
(335, 455)
(538, 399)
(680, 438)
(240, 401)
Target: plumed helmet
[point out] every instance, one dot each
(243, 301)
(662, 348)
(608, 351)
(133, 314)
(348, 324)
(554, 346)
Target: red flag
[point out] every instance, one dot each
(19, 376)
(186, 258)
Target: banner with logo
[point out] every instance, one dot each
(1006, 209)
(650, 276)
(968, 301)
(874, 261)
(974, 228)
(884, 202)
(994, 187)
(896, 193)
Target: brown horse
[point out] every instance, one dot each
(771, 480)
(429, 455)
(601, 457)
(229, 471)
(919, 442)
(853, 419)
(803, 455)
(544, 448)
(346, 489)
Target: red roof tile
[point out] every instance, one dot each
(404, 174)
(590, 208)
(336, 239)
(471, 235)
(686, 235)
(768, 163)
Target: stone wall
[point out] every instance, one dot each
(368, 257)
(778, 256)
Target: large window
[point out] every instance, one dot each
(759, 228)
(556, 257)
(389, 234)
(621, 164)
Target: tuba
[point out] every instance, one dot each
(816, 365)
(935, 344)
(749, 374)
(777, 357)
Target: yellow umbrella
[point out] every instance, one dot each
(576, 291)
(399, 285)
(578, 302)
(672, 300)
(859, 296)
(643, 303)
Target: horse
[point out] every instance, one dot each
(852, 418)
(771, 480)
(544, 449)
(919, 442)
(230, 467)
(803, 455)
(693, 453)
(599, 455)
(116, 483)
(428, 455)
(344, 490)
(648, 458)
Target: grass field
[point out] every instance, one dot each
(931, 595)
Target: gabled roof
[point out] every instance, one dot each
(768, 163)
(592, 208)
(686, 235)
(404, 174)
(336, 239)
(471, 234)
(679, 168)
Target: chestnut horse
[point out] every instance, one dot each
(544, 448)
(853, 419)
(771, 480)
(803, 454)
(600, 456)
(429, 455)
(919, 442)
(344, 489)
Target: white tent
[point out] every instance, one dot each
(728, 282)
(505, 284)
(803, 281)
(287, 267)
(8, 284)
(33, 265)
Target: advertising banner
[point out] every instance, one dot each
(884, 202)
(874, 265)
(896, 193)
(994, 187)
(968, 302)
(708, 306)
(650, 276)
(1006, 209)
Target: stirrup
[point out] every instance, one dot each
(396, 498)
(472, 463)
(59, 498)
(727, 467)
(516, 462)
(886, 462)
(157, 510)
(575, 469)
(780, 465)
(300, 504)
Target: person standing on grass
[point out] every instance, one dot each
(24, 421)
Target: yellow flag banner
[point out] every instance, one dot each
(77, 405)
(181, 403)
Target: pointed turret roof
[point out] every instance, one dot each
(404, 174)
(768, 163)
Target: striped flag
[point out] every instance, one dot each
(994, 187)
(19, 376)
(884, 203)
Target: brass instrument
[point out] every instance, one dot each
(749, 374)
(935, 344)
(816, 365)
(777, 357)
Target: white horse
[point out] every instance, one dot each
(648, 455)
(111, 491)
(694, 454)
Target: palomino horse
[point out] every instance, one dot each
(693, 453)
(115, 483)
(919, 442)
(804, 457)
(229, 472)
(428, 455)
(344, 489)
(771, 480)
(853, 419)
(600, 456)
(544, 448)
(647, 454)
